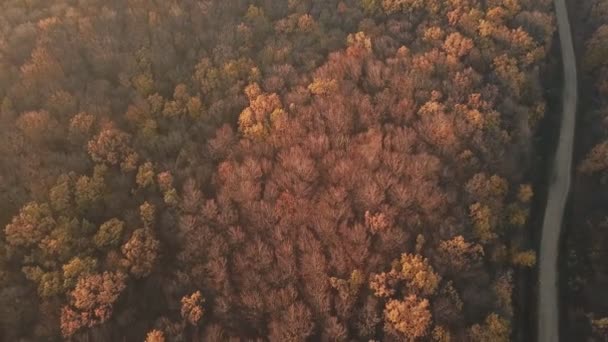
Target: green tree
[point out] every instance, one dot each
(61, 194)
(32, 224)
(75, 268)
(109, 234)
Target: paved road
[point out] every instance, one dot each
(548, 314)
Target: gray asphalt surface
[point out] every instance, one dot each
(548, 314)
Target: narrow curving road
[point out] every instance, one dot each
(559, 186)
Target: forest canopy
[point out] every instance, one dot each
(585, 261)
(267, 170)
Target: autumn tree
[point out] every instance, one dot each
(92, 301)
(460, 254)
(495, 328)
(140, 252)
(410, 317)
(596, 49)
(419, 274)
(155, 336)
(192, 310)
(595, 161)
(112, 146)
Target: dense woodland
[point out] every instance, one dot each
(282, 170)
(586, 255)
